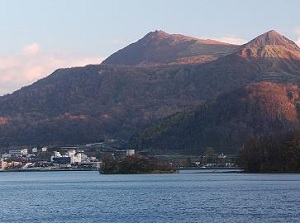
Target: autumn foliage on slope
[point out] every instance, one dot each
(227, 122)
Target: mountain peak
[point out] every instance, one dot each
(158, 47)
(157, 33)
(272, 38)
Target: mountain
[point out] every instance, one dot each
(271, 38)
(276, 56)
(110, 100)
(226, 123)
(268, 59)
(158, 47)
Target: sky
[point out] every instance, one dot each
(39, 36)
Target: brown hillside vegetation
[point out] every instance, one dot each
(88, 104)
(227, 122)
(81, 105)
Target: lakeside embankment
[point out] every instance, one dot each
(42, 170)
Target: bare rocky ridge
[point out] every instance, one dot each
(270, 45)
(158, 47)
(271, 38)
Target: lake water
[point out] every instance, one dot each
(189, 196)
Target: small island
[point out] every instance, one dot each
(135, 165)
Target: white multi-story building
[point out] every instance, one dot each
(71, 152)
(130, 152)
(75, 156)
(18, 152)
(78, 157)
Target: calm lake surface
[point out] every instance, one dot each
(189, 196)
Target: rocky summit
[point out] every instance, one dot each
(158, 48)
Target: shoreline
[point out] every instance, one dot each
(44, 170)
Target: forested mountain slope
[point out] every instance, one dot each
(88, 104)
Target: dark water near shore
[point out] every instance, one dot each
(190, 196)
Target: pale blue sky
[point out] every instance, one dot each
(39, 36)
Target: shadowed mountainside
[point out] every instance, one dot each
(87, 104)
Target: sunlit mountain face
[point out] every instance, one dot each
(158, 47)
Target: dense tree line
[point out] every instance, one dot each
(274, 153)
(134, 165)
(225, 123)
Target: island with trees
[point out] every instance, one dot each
(135, 165)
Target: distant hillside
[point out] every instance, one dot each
(227, 122)
(81, 105)
(157, 48)
(88, 104)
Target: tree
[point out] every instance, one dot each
(274, 153)
(249, 157)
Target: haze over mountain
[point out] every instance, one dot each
(126, 93)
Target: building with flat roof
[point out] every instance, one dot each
(18, 152)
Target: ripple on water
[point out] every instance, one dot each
(185, 197)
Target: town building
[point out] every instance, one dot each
(70, 157)
(44, 149)
(130, 152)
(18, 152)
(5, 156)
(3, 165)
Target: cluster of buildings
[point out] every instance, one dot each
(75, 158)
(71, 157)
(43, 159)
(22, 152)
(210, 161)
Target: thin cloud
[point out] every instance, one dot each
(31, 49)
(298, 41)
(231, 40)
(297, 31)
(30, 64)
